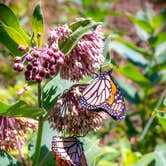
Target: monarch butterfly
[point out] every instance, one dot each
(105, 95)
(68, 151)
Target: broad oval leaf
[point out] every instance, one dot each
(14, 35)
(8, 18)
(38, 25)
(9, 43)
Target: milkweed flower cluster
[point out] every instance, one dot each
(13, 132)
(40, 63)
(86, 56)
(68, 115)
(44, 62)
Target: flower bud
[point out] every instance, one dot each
(21, 48)
(18, 66)
(38, 78)
(35, 54)
(17, 59)
(41, 73)
(28, 57)
(29, 67)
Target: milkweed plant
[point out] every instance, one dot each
(71, 52)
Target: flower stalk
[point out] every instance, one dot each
(40, 130)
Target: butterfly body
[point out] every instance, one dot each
(103, 94)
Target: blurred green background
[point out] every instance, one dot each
(137, 48)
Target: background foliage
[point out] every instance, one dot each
(138, 54)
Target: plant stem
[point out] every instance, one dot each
(40, 130)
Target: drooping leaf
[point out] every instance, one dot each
(38, 24)
(14, 35)
(8, 18)
(19, 109)
(52, 90)
(67, 45)
(128, 53)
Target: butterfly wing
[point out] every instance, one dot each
(68, 151)
(115, 106)
(103, 94)
(96, 93)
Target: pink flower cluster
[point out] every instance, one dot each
(40, 63)
(84, 59)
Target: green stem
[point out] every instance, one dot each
(40, 130)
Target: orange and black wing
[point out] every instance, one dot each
(115, 105)
(68, 151)
(103, 94)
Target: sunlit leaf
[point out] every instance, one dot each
(14, 35)
(8, 18)
(145, 160)
(6, 40)
(38, 25)
(128, 156)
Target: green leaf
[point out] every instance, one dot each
(128, 53)
(87, 3)
(8, 42)
(157, 40)
(14, 35)
(131, 72)
(129, 91)
(38, 25)
(52, 90)
(128, 156)
(161, 115)
(145, 25)
(19, 109)
(78, 24)
(145, 160)
(8, 18)
(7, 159)
(67, 45)
(160, 155)
(92, 149)
(159, 20)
